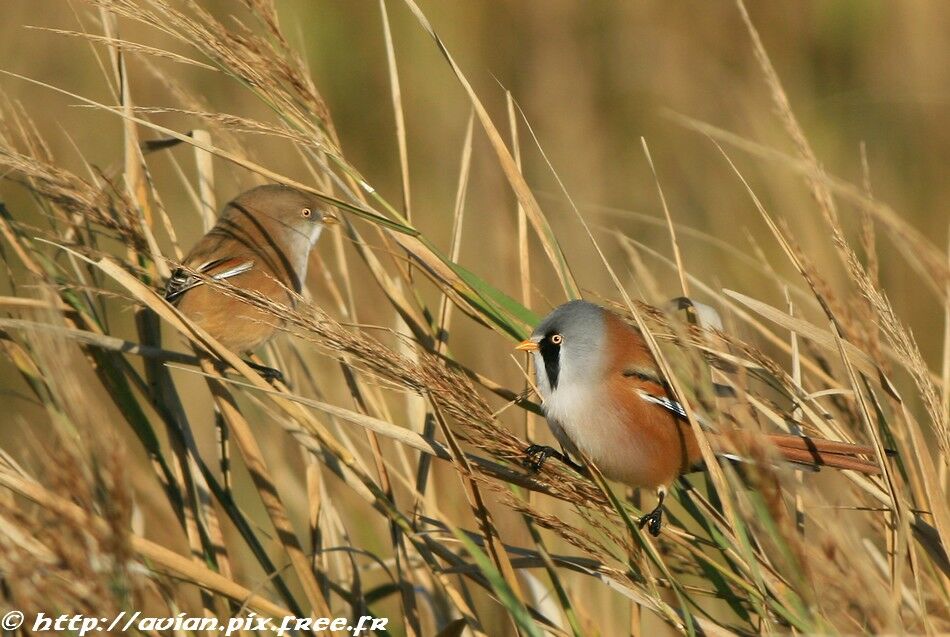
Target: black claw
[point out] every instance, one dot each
(273, 375)
(268, 373)
(653, 521)
(536, 455)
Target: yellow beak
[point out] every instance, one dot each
(527, 346)
(330, 220)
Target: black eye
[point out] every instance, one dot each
(556, 339)
(306, 213)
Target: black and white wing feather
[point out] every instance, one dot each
(182, 280)
(673, 407)
(666, 403)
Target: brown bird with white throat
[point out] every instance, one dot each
(603, 396)
(260, 243)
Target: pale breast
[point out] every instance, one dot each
(596, 427)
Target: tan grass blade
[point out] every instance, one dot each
(458, 218)
(205, 170)
(397, 111)
(126, 45)
(677, 256)
(209, 541)
(508, 165)
(896, 502)
(796, 414)
(524, 275)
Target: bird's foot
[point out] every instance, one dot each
(268, 373)
(536, 455)
(653, 521)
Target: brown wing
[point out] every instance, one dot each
(658, 425)
(656, 416)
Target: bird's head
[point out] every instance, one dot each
(568, 347)
(286, 210)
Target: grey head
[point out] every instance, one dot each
(568, 347)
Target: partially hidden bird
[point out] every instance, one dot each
(603, 395)
(260, 243)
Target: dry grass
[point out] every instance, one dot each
(385, 479)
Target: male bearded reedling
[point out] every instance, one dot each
(260, 243)
(602, 394)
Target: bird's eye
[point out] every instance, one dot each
(306, 213)
(557, 339)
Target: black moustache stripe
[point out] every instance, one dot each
(551, 354)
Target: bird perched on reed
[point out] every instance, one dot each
(261, 243)
(603, 395)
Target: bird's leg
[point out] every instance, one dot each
(654, 519)
(576, 466)
(536, 455)
(269, 373)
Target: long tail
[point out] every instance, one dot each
(817, 452)
(811, 452)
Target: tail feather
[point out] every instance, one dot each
(825, 453)
(815, 452)
(820, 445)
(828, 459)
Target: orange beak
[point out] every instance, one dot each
(527, 346)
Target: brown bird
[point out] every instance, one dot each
(603, 395)
(261, 243)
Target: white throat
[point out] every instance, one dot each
(301, 252)
(575, 399)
